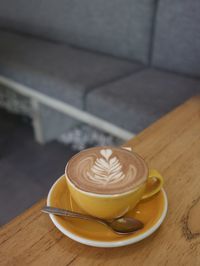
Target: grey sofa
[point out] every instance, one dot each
(118, 65)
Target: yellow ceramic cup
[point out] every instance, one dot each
(113, 206)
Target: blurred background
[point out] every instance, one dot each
(75, 74)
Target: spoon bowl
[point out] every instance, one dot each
(126, 225)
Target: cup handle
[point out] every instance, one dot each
(154, 184)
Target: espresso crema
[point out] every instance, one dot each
(106, 170)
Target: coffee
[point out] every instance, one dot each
(106, 170)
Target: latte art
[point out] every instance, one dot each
(106, 170)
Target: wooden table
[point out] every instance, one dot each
(171, 145)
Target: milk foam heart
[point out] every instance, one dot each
(106, 170)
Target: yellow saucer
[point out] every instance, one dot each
(151, 212)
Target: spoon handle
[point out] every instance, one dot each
(62, 212)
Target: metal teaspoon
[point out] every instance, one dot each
(123, 225)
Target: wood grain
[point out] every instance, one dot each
(172, 145)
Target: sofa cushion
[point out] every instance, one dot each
(177, 36)
(138, 100)
(121, 28)
(57, 70)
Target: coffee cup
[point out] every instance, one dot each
(107, 182)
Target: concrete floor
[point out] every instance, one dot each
(27, 169)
